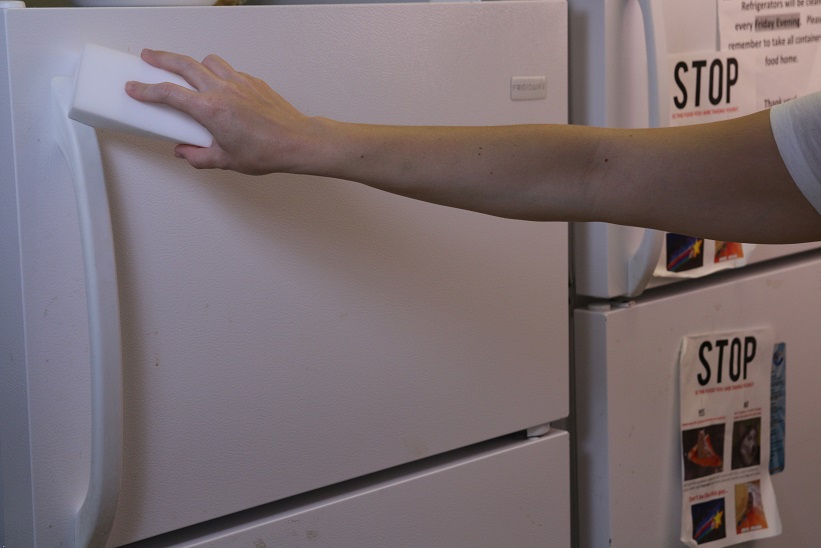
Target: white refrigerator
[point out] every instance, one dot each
(633, 306)
(203, 358)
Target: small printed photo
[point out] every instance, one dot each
(703, 451)
(684, 252)
(727, 251)
(749, 507)
(708, 521)
(746, 443)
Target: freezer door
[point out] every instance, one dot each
(280, 333)
(626, 378)
(502, 493)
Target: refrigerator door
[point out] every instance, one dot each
(500, 493)
(611, 43)
(626, 378)
(280, 333)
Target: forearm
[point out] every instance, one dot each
(533, 172)
(722, 180)
(725, 181)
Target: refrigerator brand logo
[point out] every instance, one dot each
(526, 88)
(715, 82)
(738, 354)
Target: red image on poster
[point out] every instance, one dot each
(727, 251)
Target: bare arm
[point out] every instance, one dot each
(723, 180)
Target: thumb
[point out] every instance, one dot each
(199, 157)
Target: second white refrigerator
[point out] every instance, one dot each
(636, 300)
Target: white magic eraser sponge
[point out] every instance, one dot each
(100, 99)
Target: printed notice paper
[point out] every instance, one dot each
(785, 38)
(727, 495)
(709, 86)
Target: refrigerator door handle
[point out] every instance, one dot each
(642, 264)
(654, 41)
(80, 146)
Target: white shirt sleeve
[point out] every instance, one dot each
(796, 127)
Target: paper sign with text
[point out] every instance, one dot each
(727, 495)
(710, 86)
(784, 36)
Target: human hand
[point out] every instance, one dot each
(255, 130)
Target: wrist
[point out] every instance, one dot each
(316, 147)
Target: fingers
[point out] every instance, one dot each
(193, 72)
(202, 76)
(202, 158)
(221, 68)
(199, 75)
(167, 93)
